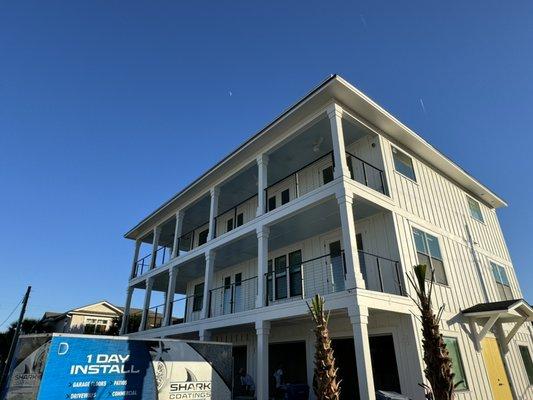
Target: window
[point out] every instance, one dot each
(198, 297)
(403, 164)
(271, 203)
(327, 174)
(285, 196)
(94, 326)
(502, 282)
(428, 250)
(457, 364)
(295, 271)
(270, 276)
(229, 224)
(227, 295)
(280, 267)
(528, 364)
(202, 237)
(238, 305)
(475, 210)
(240, 219)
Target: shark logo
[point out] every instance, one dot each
(190, 388)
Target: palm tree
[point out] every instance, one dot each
(325, 383)
(438, 369)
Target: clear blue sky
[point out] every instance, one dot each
(106, 108)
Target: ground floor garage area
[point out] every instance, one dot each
(291, 350)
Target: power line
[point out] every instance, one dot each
(11, 313)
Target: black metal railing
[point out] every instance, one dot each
(366, 173)
(322, 275)
(233, 298)
(186, 241)
(381, 274)
(163, 253)
(179, 308)
(295, 176)
(154, 317)
(233, 212)
(142, 265)
(134, 321)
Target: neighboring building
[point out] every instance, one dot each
(95, 319)
(337, 197)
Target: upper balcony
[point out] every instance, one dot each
(292, 168)
(305, 257)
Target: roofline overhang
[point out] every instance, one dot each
(355, 100)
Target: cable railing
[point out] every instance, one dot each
(298, 185)
(142, 265)
(154, 317)
(381, 274)
(233, 298)
(186, 242)
(234, 221)
(179, 308)
(322, 275)
(366, 173)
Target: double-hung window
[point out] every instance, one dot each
(502, 282)
(403, 164)
(95, 326)
(428, 251)
(457, 364)
(284, 277)
(475, 209)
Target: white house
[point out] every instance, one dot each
(337, 197)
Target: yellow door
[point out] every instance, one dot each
(499, 383)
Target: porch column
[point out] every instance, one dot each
(262, 183)
(169, 298)
(359, 320)
(354, 277)
(155, 243)
(135, 258)
(146, 305)
(337, 135)
(126, 314)
(204, 335)
(177, 233)
(208, 282)
(213, 211)
(262, 329)
(263, 233)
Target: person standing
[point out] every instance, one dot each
(247, 383)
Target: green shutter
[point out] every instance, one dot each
(457, 365)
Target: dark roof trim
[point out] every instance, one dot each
(494, 306)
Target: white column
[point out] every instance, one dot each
(204, 335)
(155, 243)
(126, 314)
(262, 264)
(262, 329)
(339, 151)
(146, 305)
(359, 320)
(177, 233)
(213, 211)
(169, 299)
(208, 281)
(135, 258)
(262, 183)
(354, 277)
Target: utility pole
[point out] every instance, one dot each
(14, 341)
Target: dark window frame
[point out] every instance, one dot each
(198, 297)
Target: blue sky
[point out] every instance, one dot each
(106, 108)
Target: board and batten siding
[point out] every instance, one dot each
(438, 206)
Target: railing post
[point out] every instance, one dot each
(380, 276)
(400, 286)
(382, 182)
(364, 173)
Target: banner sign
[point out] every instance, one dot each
(99, 367)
